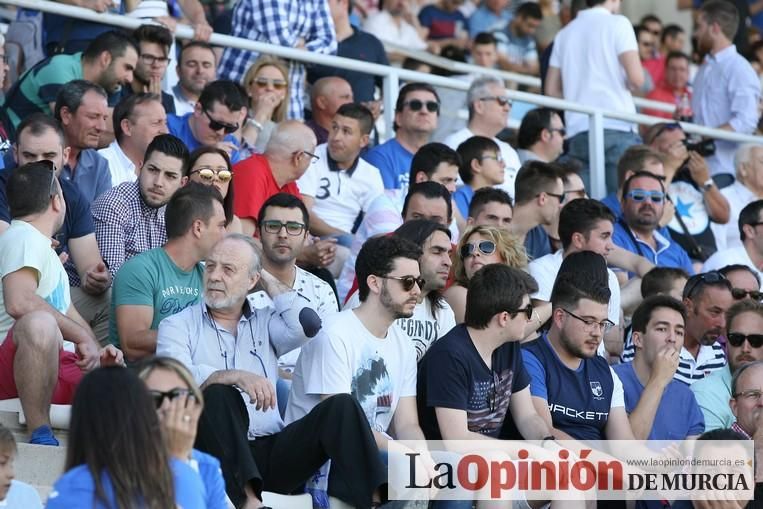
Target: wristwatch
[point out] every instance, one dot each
(707, 185)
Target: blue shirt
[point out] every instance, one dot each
(677, 401)
(179, 126)
(91, 175)
(667, 254)
(485, 20)
(463, 197)
(394, 163)
(537, 243)
(76, 488)
(212, 478)
(441, 23)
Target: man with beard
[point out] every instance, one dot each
(745, 344)
(231, 346)
(108, 61)
(362, 353)
(707, 297)
(196, 67)
(82, 110)
(163, 281)
(129, 218)
(652, 396)
(643, 202)
(726, 88)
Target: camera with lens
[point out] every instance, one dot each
(705, 147)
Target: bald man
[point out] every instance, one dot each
(326, 96)
(289, 152)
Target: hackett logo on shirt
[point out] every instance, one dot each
(597, 391)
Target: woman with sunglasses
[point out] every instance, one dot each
(267, 85)
(480, 246)
(179, 403)
(211, 166)
(116, 455)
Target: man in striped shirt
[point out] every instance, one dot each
(707, 297)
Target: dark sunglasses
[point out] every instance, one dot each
(640, 195)
(160, 396)
(407, 282)
(501, 100)
(709, 278)
(527, 310)
(737, 338)
(739, 294)
(669, 126)
(216, 125)
(416, 105)
(486, 247)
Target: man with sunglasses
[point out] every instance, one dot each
(216, 116)
(489, 109)
(744, 342)
(750, 253)
(541, 136)
(653, 398)
(231, 344)
(416, 113)
(637, 229)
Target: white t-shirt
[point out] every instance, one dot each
(545, 269)
(424, 327)
(340, 195)
(24, 246)
(731, 256)
(509, 155)
(345, 358)
(727, 235)
(586, 51)
(321, 298)
(384, 28)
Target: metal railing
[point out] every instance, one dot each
(392, 77)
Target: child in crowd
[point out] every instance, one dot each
(13, 494)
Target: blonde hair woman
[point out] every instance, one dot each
(267, 85)
(480, 246)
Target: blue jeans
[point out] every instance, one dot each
(615, 143)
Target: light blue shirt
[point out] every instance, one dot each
(713, 394)
(91, 175)
(485, 20)
(726, 91)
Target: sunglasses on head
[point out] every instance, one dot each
(640, 195)
(216, 125)
(407, 282)
(740, 293)
(160, 396)
(527, 310)
(669, 126)
(712, 277)
(416, 105)
(264, 82)
(737, 338)
(209, 174)
(486, 247)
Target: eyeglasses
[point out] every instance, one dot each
(52, 190)
(313, 157)
(561, 130)
(740, 293)
(160, 396)
(736, 339)
(151, 59)
(712, 277)
(501, 100)
(640, 195)
(527, 310)
(265, 82)
(486, 247)
(751, 395)
(497, 158)
(589, 325)
(209, 174)
(274, 226)
(407, 282)
(216, 125)
(559, 197)
(668, 126)
(416, 105)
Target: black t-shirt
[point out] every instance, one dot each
(453, 375)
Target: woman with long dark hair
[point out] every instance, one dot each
(211, 166)
(116, 456)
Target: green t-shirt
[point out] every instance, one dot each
(152, 279)
(39, 86)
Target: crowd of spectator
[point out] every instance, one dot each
(243, 281)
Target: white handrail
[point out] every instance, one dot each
(392, 76)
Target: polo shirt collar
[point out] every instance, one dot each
(333, 166)
(246, 312)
